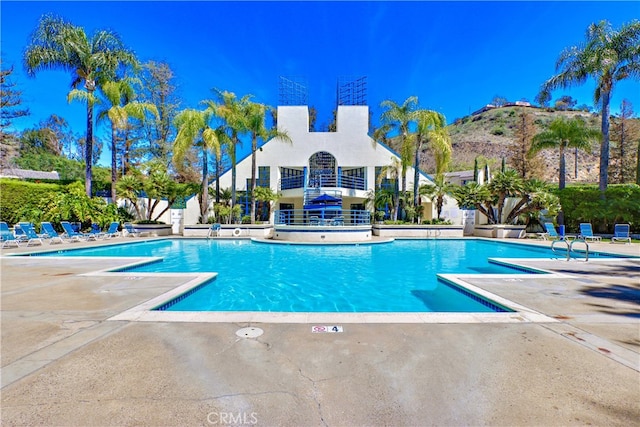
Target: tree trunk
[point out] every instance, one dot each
(252, 206)
(638, 165)
(416, 174)
(622, 163)
(562, 173)
(114, 172)
(204, 199)
(88, 148)
(218, 167)
(232, 154)
(604, 147)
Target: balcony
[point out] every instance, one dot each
(321, 217)
(324, 181)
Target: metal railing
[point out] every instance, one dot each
(292, 182)
(319, 181)
(570, 247)
(353, 182)
(586, 248)
(329, 217)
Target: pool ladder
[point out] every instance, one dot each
(570, 247)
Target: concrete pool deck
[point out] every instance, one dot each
(65, 363)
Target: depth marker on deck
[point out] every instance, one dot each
(326, 329)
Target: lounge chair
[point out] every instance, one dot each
(339, 220)
(112, 231)
(586, 232)
(128, 227)
(314, 220)
(214, 230)
(621, 233)
(95, 232)
(71, 234)
(47, 230)
(30, 232)
(552, 233)
(19, 234)
(6, 236)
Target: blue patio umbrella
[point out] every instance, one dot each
(325, 198)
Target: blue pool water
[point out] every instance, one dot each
(393, 277)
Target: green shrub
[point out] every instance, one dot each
(37, 202)
(498, 130)
(582, 203)
(21, 200)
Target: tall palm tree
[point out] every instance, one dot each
(255, 115)
(397, 119)
(393, 171)
(431, 129)
(563, 134)
(194, 129)
(233, 111)
(120, 96)
(608, 56)
(57, 44)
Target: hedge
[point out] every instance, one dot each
(582, 203)
(15, 195)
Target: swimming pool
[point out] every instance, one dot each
(390, 277)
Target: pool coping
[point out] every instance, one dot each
(145, 312)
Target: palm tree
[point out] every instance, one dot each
(120, 97)
(194, 130)
(431, 129)
(129, 187)
(505, 184)
(398, 118)
(437, 191)
(255, 115)
(393, 170)
(476, 196)
(57, 44)
(563, 134)
(233, 111)
(608, 56)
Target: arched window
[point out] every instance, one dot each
(322, 170)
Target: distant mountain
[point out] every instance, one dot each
(489, 134)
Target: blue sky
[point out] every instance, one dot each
(454, 56)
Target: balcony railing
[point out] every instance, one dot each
(323, 181)
(292, 182)
(329, 217)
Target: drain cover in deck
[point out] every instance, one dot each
(249, 332)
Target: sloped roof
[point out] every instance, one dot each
(28, 174)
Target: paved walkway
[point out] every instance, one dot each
(65, 363)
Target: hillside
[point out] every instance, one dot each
(489, 134)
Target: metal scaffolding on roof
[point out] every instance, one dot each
(292, 91)
(352, 90)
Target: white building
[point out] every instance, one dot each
(343, 164)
